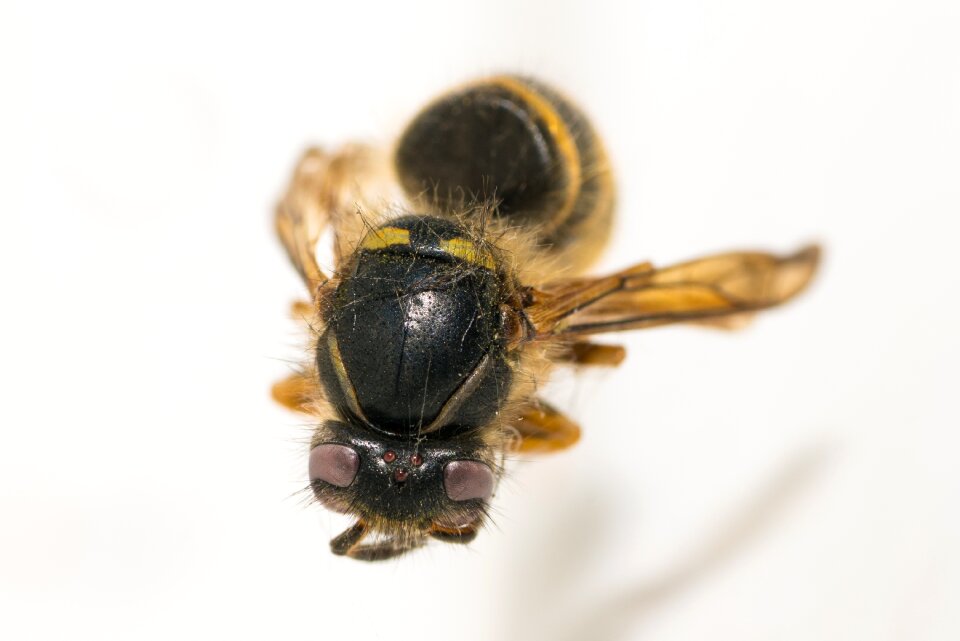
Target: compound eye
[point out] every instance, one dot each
(336, 464)
(465, 480)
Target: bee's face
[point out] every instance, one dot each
(410, 484)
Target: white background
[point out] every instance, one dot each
(798, 480)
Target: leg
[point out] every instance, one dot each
(544, 430)
(584, 353)
(347, 543)
(453, 535)
(301, 310)
(296, 392)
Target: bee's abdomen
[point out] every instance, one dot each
(516, 142)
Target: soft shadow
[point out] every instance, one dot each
(613, 619)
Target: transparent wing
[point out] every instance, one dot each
(720, 290)
(328, 191)
(302, 215)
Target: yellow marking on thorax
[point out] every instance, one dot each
(346, 385)
(562, 137)
(385, 237)
(466, 249)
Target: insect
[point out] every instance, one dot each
(457, 286)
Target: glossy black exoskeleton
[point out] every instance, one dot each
(520, 143)
(413, 343)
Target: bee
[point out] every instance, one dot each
(458, 285)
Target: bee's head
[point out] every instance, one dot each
(402, 484)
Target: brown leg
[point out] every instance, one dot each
(584, 353)
(347, 543)
(348, 539)
(544, 430)
(301, 310)
(296, 392)
(453, 535)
